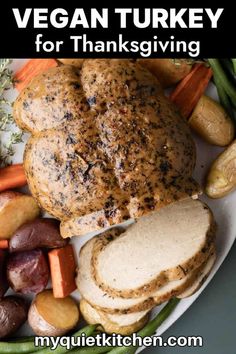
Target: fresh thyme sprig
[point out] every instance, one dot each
(6, 119)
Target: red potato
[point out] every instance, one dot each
(39, 233)
(27, 272)
(13, 313)
(3, 278)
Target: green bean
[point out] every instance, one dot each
(219, 72)
(229, 69)
(88, 330)
(224, 99)
(90, 350)
(22, 339)
(150, 328)
(19, 348)
(234, 65)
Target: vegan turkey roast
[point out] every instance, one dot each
(106, 144)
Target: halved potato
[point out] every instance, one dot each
(49, 316)
(15, 210)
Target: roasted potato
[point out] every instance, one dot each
(15, 210)
(221, 178)
(39, 233)
(211, 122)
(28, 271)
(49, 316)
(13, 313)
(3, 278)
(167, 71)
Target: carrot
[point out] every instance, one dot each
(62, 266)
(4, 244)
(188, 92)
(12, 177)
(31, 69)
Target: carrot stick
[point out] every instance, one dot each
(12, 177)
(31, 69)
(4, 244)
(188, 92)
(62, 266)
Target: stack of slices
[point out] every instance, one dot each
(123, 274)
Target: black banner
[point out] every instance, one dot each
(37, 29)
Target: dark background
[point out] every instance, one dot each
(19, 43)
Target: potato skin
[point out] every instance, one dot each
(39, 233)
(167, 71)
(221, 179)
(28, 272)
(3, 278)
(15, 210)
(46, 317)
(40, 326)
(211, 122)
(13, 313)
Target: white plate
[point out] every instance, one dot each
(223, 209)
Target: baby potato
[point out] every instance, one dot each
(3, 278)
(168, 71)
(211, 122)
(28, 272)
(15, 210)
(49, 316)
(39, 233)
(13, 313)
(221, 179)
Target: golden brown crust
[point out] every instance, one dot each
(126, 155)
(51, 100)
(106, 82)
(75, 62)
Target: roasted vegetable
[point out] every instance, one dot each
(15, 210)
(3, 278)
(28, 271)
(168, 71)
(221, 178)
(27, 344)
(13, 313)
(211, 122)
(4, 244)
(63, 268)
(188, 92)
(12, 177)
(49, 316)
(39, 233)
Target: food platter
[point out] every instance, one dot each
(223, 209)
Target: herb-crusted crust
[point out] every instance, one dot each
(106, 144)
